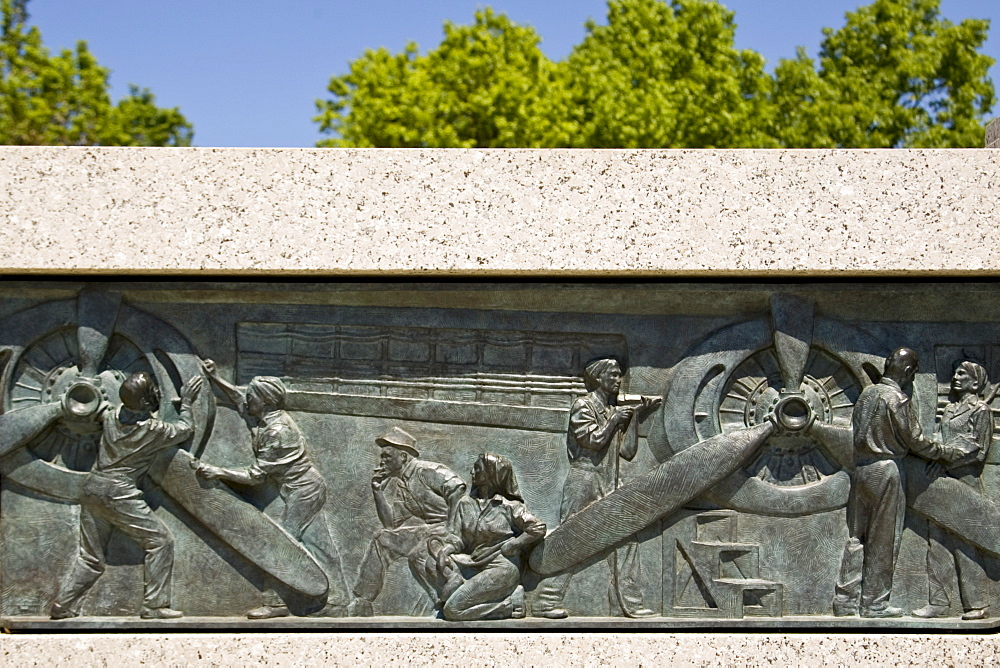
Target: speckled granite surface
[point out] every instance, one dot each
(654, 212)
(500, 649)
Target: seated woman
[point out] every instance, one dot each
(481, 565)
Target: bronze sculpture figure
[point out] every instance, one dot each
(492, 529)
(131, 439)
(280, 455)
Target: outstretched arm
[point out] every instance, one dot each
(250, 476)
(257, 472)
(234, 395)
(181, 429)
(904, 423)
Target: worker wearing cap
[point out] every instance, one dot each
(414, 500)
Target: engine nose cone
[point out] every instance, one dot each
(82, 401)
(794, 413)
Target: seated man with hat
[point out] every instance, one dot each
(422, 504)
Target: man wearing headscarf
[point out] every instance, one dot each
(967, 426)
(594, 443)
(280, 456)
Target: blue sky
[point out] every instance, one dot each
(248, 73)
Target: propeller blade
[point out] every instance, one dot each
(752, 495)
(837, 440)
(644, 500)
(97, 312)
(953, 505)
(43, 477)
(20, 427)
(792, 329)
(239, 524)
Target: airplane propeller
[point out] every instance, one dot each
(712, 468)
(73, 395)
(696, 470)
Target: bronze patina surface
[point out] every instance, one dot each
(197, 454)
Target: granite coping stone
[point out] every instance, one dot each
(364, 212)
(498, 649)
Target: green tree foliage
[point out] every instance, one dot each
(63, 99)
(667, 74)
(896, 74)
(487, 84)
